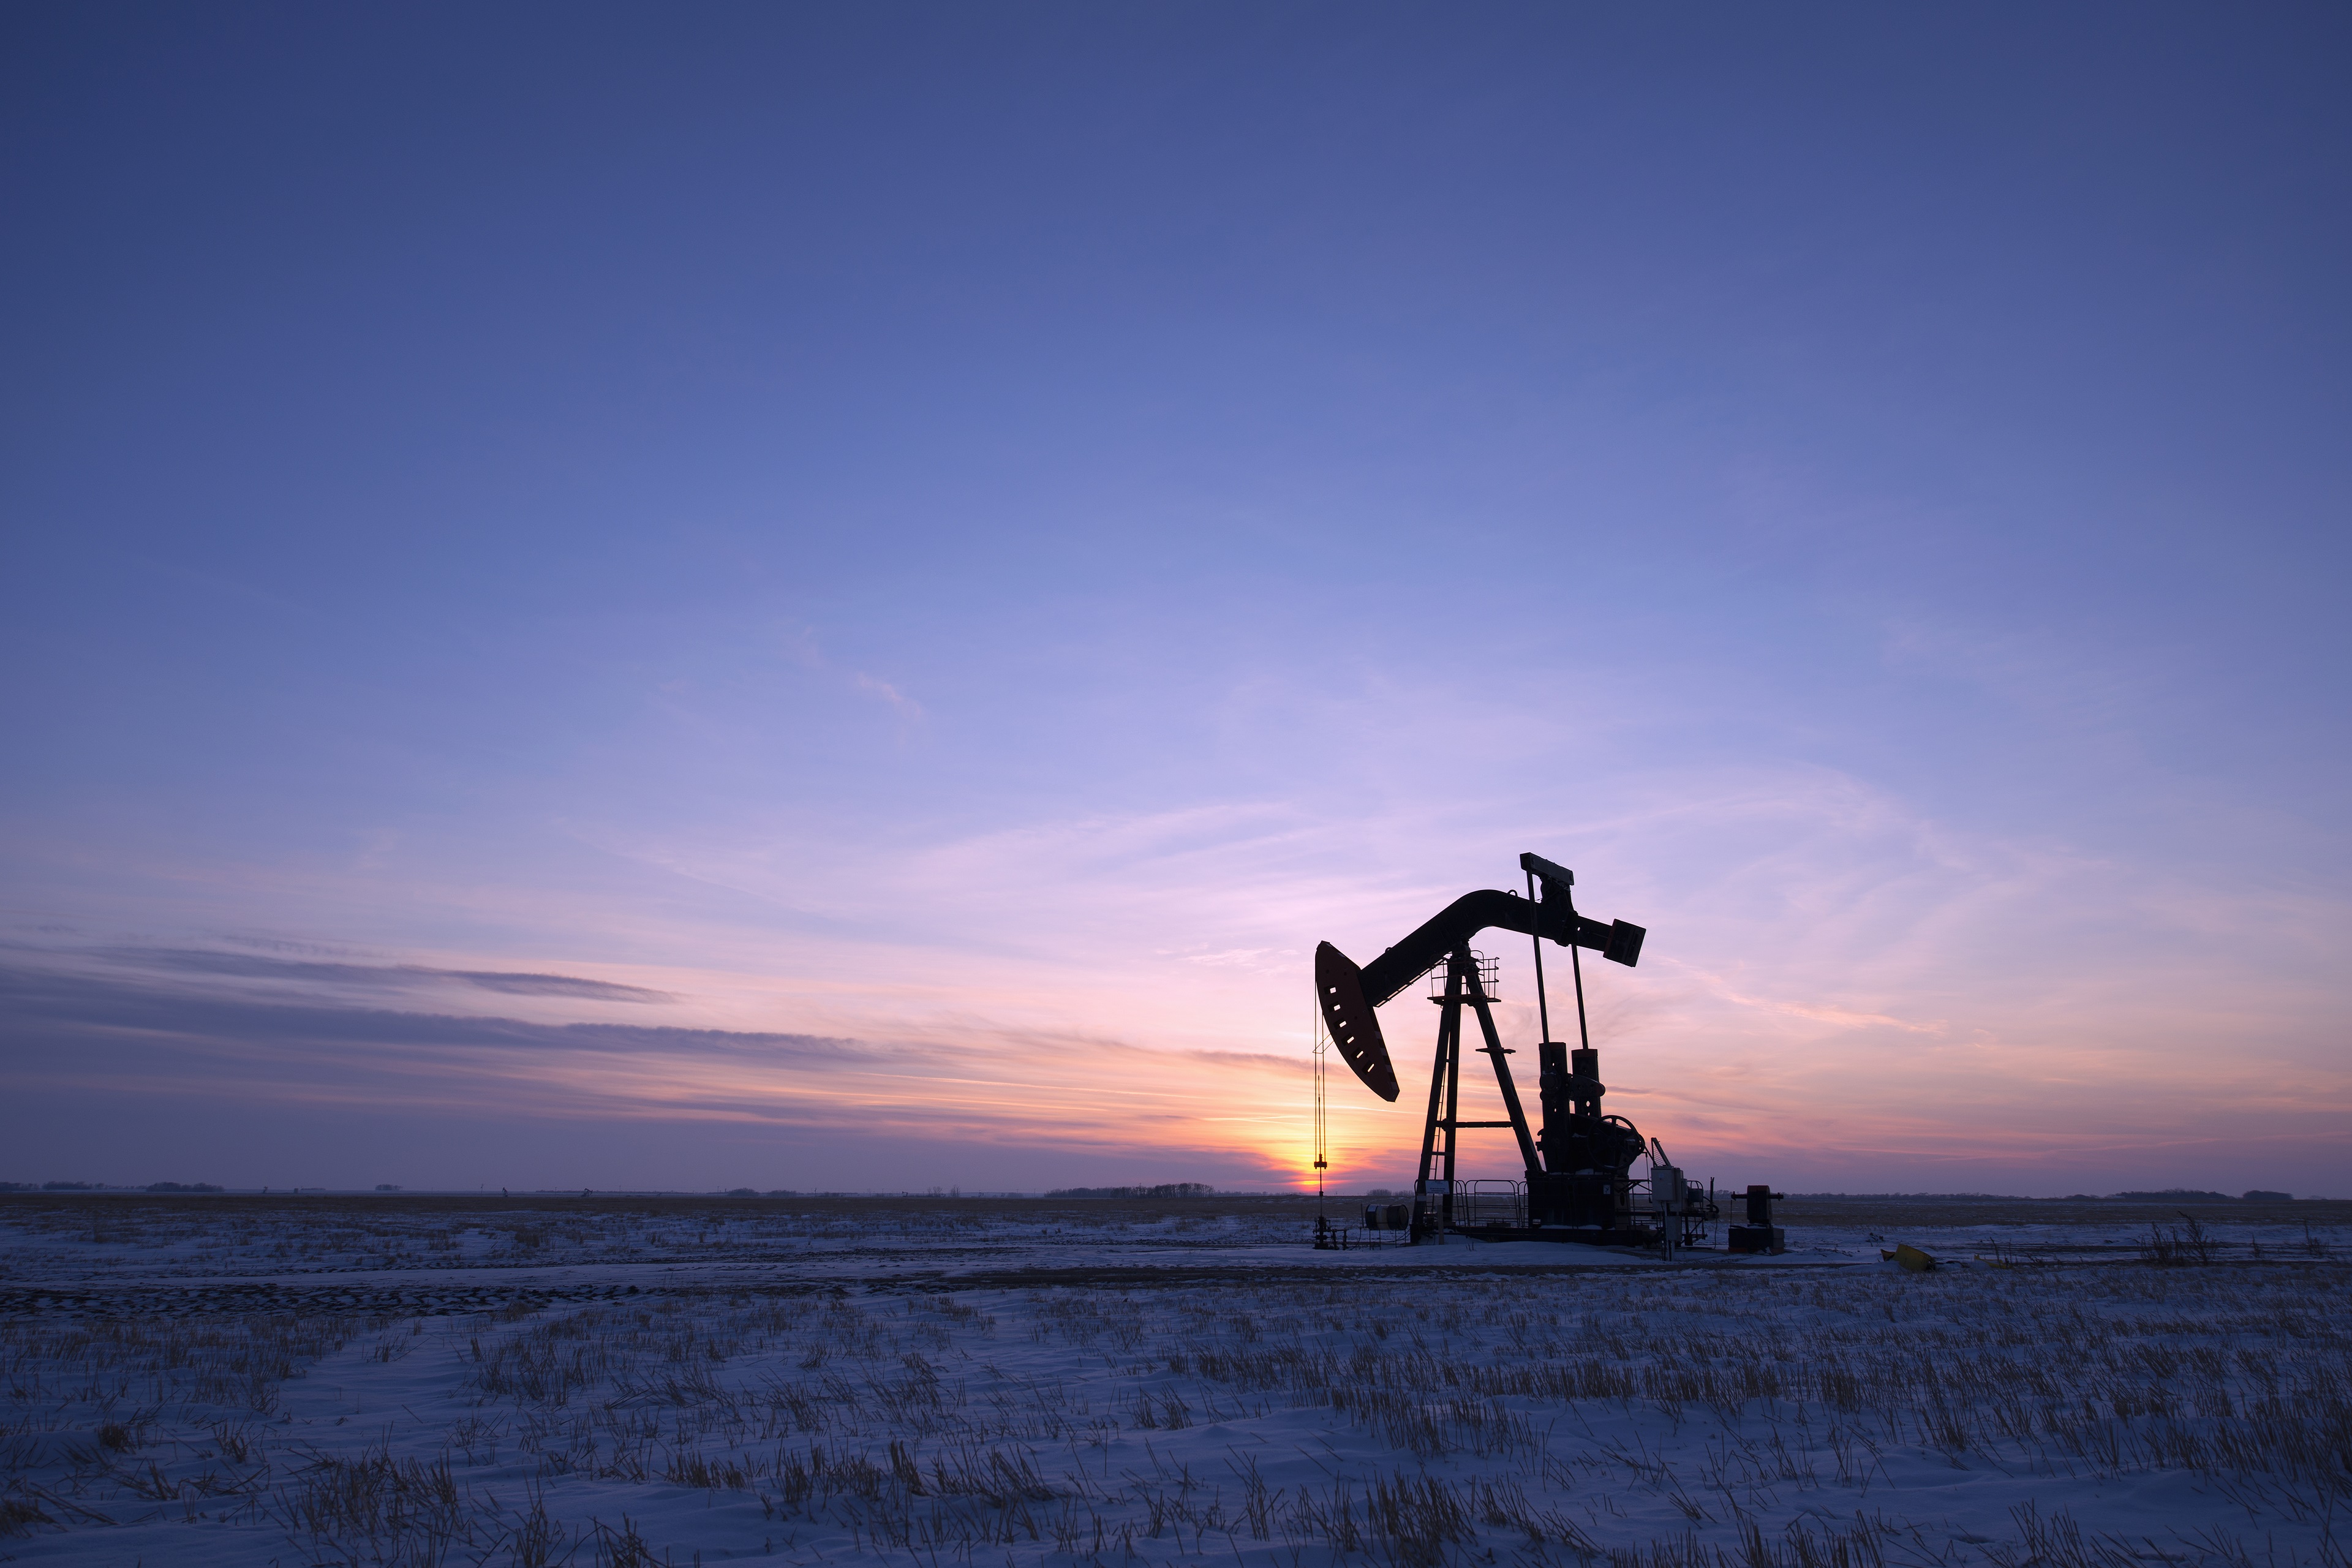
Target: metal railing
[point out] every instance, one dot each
(1478, 1205)
(1488, 967)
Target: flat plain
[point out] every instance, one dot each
(541, 1378)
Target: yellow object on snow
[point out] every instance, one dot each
(1910, 1257)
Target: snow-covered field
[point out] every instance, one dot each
(435, 1381)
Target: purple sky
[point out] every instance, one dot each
(838, 596)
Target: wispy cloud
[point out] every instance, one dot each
(373, 976)
(874, 686)
(1834, 972)
(800, 645)
(123, 1032)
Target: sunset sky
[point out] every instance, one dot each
(837, 597)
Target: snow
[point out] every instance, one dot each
(396, 1383)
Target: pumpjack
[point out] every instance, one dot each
(1580, 1185)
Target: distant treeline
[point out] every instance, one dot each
(1996, 1197)
(2192, 1195)
(1164, 1190)
(2169, 1195)
(102, 1187)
